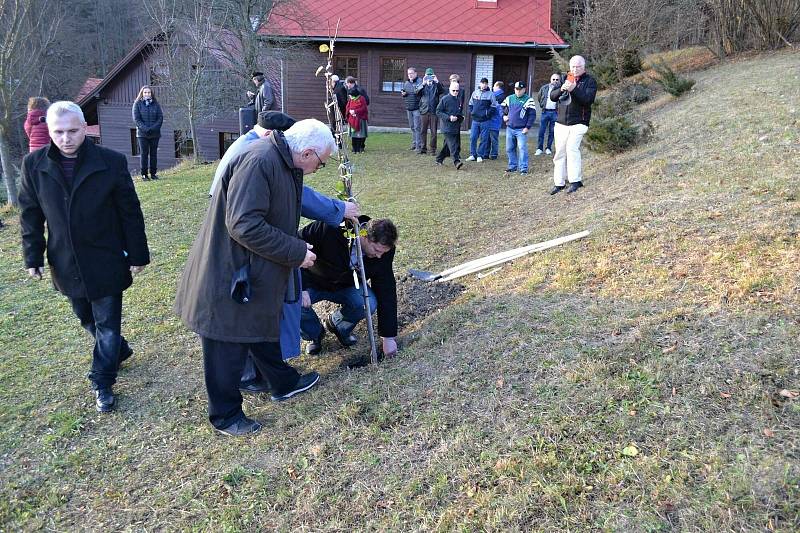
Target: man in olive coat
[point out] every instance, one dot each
(251, 222)
(95, 234)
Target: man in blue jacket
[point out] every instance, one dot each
(519, 114)
(482, 106)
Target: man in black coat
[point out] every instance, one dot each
(264, 98)
(451, 113)
(331, 278)
(95, 234)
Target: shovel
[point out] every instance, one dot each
(476, 265)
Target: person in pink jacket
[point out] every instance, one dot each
(35, 126)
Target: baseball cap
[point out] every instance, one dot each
(519, 85)
(429, 71)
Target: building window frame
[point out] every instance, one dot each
(184, 144)
(350, 68)
(400, 67)
(226, 139)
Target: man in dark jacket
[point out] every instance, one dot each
(95, 234)
(549, 115)
(331, 278)
(431, 93)
(411, 93)
(575, 98)
(264, 97)
(451, 112)
(349, 83)
(482, 108)
(238, 273)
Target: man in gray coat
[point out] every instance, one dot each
(249, 236)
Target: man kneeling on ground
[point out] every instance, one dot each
(331, 278)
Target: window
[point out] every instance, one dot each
(344, 66)
(226, 139)
(159, 72)
(393, 74)
(134, 143)
(184, 145)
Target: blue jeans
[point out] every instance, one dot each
(102, 319)
(517, 147)
(415, 124)
(350, 314)
(494, 143)
(546, 125)
(479, 131)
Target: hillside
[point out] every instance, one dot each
(638, 380)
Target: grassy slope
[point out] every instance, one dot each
(671, 328)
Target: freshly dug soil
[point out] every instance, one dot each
(417, 299)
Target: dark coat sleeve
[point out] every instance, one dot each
(555, 93)
(267, 96)
(364, 94)
(313, 234)
(384, 286)
(31, 220)
(159, 119)
(247, 211)
(585, 93)
(130, 214)
(137, 117)
(440, 111)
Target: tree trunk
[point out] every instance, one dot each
(8, 169)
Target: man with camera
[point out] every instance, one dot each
(431, 93)
(574, 98)
(412, 93)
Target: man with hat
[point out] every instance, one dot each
(264, 98)
(482, 107)
(519, 112)
(431, 93)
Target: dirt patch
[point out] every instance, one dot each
(417, 299)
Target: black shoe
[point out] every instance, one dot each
(125, 354)
(556, 189)
(254, 387)
(347, 341)
(315, 346)
(243, 426)
(422, 152)
(303, 384)
(145, 177)
(458, 165)
(154, 177)
(523, 172)
(439, 163)
(413, 149)
(104, 400)
(574, 186)
(511, 170)
(493, 158)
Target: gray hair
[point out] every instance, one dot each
(310, 133)
(577, 59)
(455, 85)
(63, 107)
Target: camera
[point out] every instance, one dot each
(426, 79)
(42, 120)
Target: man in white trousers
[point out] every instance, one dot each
(574, 97)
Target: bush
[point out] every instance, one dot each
(616, 134)
(672, 82)
(636, 93)
(630, 62)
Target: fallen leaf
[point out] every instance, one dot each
(630, 451)
(670, 349)
(768, 432)
(500, 383)
(791, 394)
(725, 394)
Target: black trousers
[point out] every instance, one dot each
(451, 147)
(148, 151)
(223, 363)
(102, 319)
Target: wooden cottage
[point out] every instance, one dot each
(378, 40)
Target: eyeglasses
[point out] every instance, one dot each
(555, 79)
(454, 91)
(321, 164)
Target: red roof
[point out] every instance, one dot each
(511, 22)
(88, 86)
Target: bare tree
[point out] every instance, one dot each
(774, 21)
(27, 30)
(195, 88)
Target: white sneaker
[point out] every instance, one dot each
(479, 160)
(538, 152)
(548, 152)
(470, 158)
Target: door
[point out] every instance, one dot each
(509, 70)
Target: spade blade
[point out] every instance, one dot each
(423, 275)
